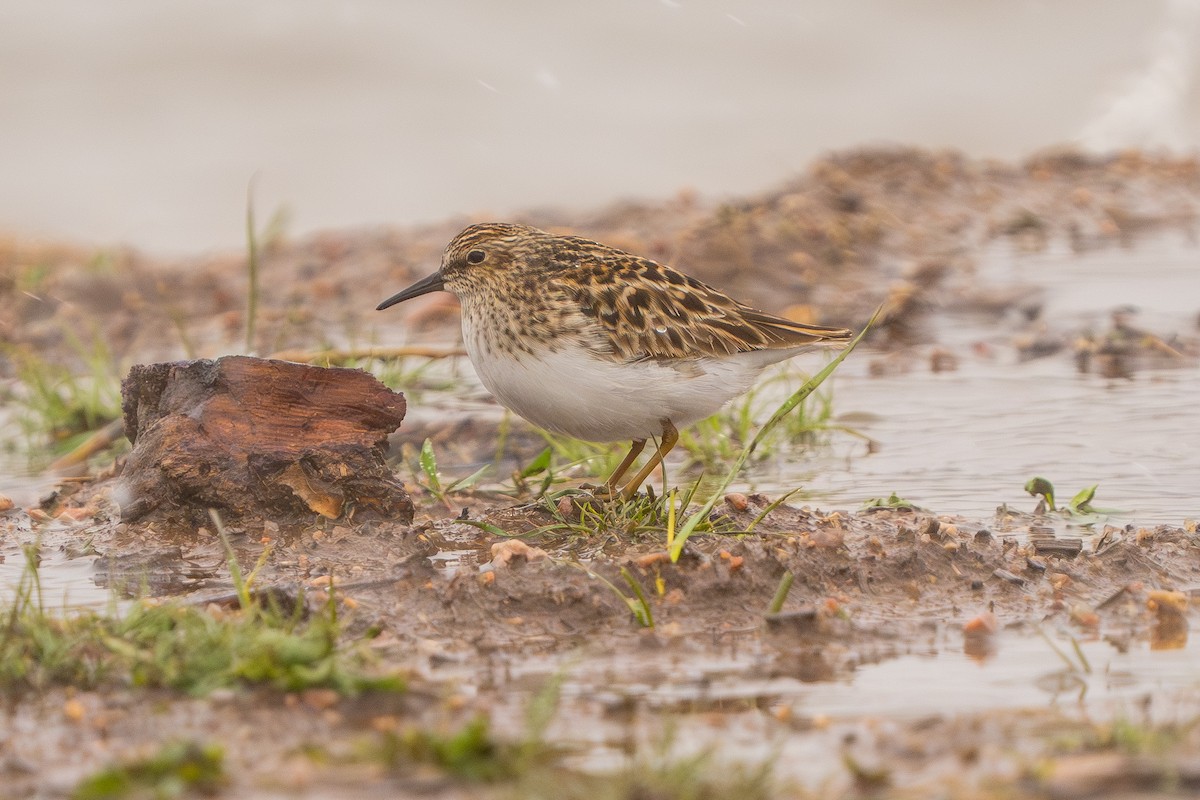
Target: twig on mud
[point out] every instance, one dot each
(101, 440)
(384, 353)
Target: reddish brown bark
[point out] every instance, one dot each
(257, 437)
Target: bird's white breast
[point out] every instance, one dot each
(568, 390)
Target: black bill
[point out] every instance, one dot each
(433, 283)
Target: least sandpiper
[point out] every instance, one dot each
(587, 340)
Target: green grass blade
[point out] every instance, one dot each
(785, 586)
(640, 607)
(488, 527)
(466, 483)
(773, 505)
(235, 569)
(251, 270)
(539, 464)
(797, 397)
(428, 463)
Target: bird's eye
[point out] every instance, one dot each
(476, 256)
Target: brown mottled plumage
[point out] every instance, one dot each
(600, 344)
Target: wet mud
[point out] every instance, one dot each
(482, 623)
(486, 599)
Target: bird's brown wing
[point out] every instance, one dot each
(648, 310)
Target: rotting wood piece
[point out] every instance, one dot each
(259, 437)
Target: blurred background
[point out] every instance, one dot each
(144, 122)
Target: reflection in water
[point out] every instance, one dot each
(734, 699)
(979, 636)
(1170, 629)
(65, 580)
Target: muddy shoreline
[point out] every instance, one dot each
(489, 598)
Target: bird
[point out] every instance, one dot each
(590, 341)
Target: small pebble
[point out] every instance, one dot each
(74, 710)
(652, 559)
(983, 624)
(1083, 614)
(510, 552)
(320, 699)
(737, 501)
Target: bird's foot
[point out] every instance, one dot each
(609, 494)
(602, 491)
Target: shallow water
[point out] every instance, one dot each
(66, 580)
(966, 441)
(722, 701)
(961, 442)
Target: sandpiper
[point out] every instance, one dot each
(590, 341)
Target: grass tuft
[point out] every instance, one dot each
(178, 768)
(719, 439)
(579, 513)
(701, 516)
(57, 405)
(180, 647)
(698, 777)
(471, 753)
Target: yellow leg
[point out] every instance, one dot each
(610, 485)
(669, 437)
